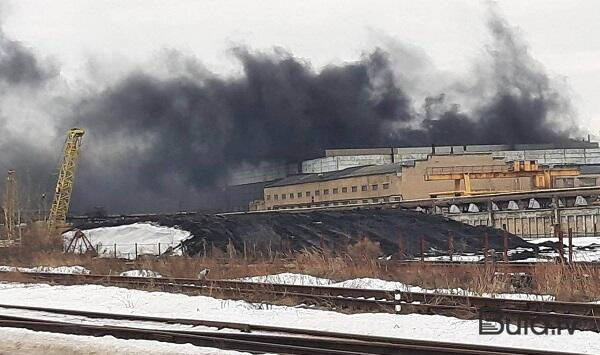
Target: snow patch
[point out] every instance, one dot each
(25, 341)
(162, 304)
(124, 238)
(76, 269)
(289, 278)
(140, 273)
(379, 284)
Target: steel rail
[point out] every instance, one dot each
(289, 340)
(359, 293)
(350, 299)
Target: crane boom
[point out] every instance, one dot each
(66, 175)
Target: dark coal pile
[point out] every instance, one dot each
(337, 228)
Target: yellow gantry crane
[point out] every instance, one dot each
(542, 178)
(57, 218)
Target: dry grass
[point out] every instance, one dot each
(566, 283)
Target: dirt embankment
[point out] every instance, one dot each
(336, 228)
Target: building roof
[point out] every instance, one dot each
(341, 174)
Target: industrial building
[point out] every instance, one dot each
(435, 176)
(406, 161)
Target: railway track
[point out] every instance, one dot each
(585, 316)
(251, 337)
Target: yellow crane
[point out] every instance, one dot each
(57, 218)
(543, 178)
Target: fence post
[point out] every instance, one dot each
(570, 236)
(422, 247)
(486, 247)
(270, 250)
(245, 252)
(505, 242)
(159, 249)
(115, 250)
(561, 246)
(401, 246)
(136, 255)
(450, 244)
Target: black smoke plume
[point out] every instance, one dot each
(158, 143)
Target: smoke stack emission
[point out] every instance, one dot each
(161, 143)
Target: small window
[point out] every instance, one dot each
(375, 187)
(564, 182)
(375, 200)
(587, 181)
(268, 197)
(365, 201)
(307, 193)
(386, 199)
(283, 196)
(363, 188)
(299, 194)
(344, 189)
(335, 190)
(276, 197)
(291, 195)
(354, 188)
(386, 186)
(326, 192)
(397, 198)
(317, 192)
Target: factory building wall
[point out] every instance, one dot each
(335, 163)
(549, 157)
(250, 174)
(339, 159)
(414, 185)
(352, 190)
(409, 184)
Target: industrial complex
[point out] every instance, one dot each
(358, 176)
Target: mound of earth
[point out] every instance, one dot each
(336, 228)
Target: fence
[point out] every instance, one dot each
(132, 251)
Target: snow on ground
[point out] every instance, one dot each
(146, 235)
(289, 278)
(372, 283)
(414, 326)
(456, 257)
(577, 241)
(24, 341)
(584, 249)
(49, 269)
(140, 273)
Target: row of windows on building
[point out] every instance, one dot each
(335, 191)
(342, 203)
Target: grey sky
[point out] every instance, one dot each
(115, 36)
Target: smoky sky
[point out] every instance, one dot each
(19, 66)
(164, 143)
